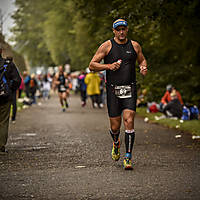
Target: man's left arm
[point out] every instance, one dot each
(140, 58)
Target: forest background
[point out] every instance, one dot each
(54, 32)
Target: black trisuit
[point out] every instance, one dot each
(125, 75)
(61, 86)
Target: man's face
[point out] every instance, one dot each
(121, 32)
(60, 69)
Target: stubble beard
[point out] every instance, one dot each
(122, 39)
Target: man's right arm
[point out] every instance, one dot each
(102, 51)
(56, 79)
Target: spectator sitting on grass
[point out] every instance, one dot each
(167, 97)
(174, 107)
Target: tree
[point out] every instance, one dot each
(29, 33)
(70, 31)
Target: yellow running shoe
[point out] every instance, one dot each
(116, 151)
(127, 164)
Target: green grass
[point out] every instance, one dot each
(191, 126)
(19, 105)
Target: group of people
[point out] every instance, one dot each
(40, 86)
(31, 84)
(87, 83)
(171, 103)
(120, 55)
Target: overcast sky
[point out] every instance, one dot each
(7, 9)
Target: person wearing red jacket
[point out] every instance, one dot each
(167, 98)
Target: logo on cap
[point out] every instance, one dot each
(120, 23)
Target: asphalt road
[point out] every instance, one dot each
(57, 156)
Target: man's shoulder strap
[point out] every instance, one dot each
(4, 63)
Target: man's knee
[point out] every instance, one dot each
(129, 118)
(115, 124)
(115, 129)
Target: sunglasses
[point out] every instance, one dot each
(120, 29)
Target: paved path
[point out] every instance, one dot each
(58, 156)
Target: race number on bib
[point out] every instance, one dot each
(123, 91)
(62, 88)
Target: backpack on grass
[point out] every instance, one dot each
(190, 112)
(194, 112)
(186, 113)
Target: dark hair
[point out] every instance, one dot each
(45, 78)
(9, 58)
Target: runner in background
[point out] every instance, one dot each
(63, 89)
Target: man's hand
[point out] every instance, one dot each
(57, 82)
(115, 66)
(143, 70)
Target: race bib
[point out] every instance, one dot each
(123, 91)
(62, 88)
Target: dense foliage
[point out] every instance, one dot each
(52, 32)
(9, 52)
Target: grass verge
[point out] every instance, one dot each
(191, 126)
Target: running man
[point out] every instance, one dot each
(120, 55)
(62, 83)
